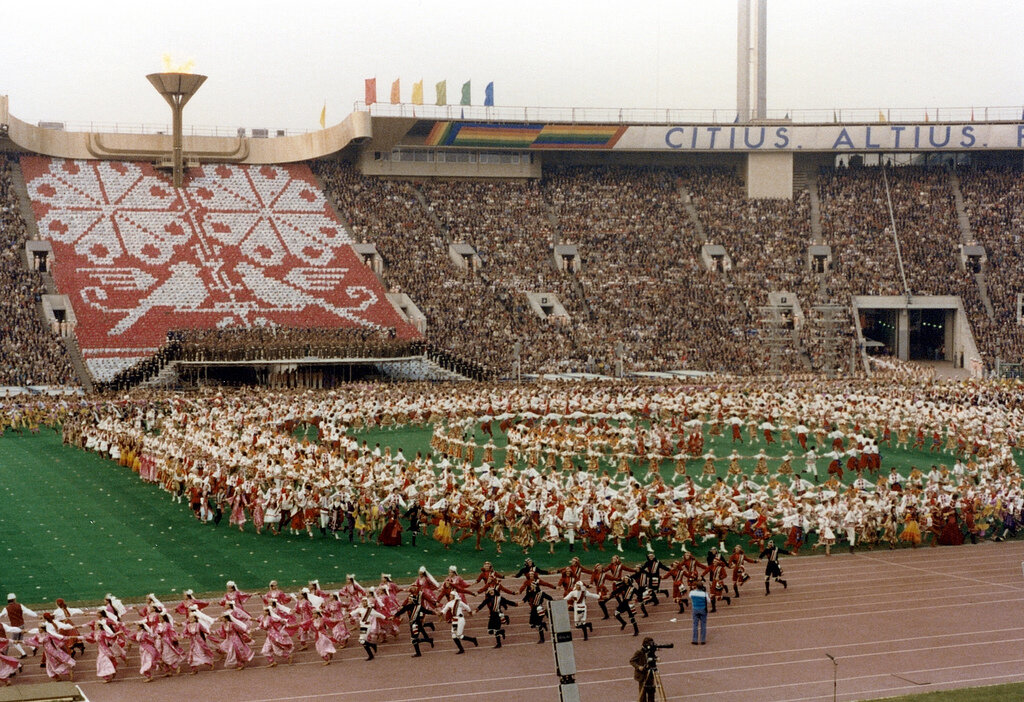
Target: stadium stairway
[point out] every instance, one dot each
(24, 201)
(75, 354)
(422, 199)
(983, 294)
(691, 211)
(577, 285)
(966, 236)
(812, 191)
(556, 232)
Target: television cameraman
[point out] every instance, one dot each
(645, 669)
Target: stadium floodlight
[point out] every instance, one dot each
(177, 89)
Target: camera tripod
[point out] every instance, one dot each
(652, 690)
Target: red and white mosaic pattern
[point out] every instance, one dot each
(239, 246)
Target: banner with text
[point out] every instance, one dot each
(831, 137)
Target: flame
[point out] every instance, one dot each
(170, 67)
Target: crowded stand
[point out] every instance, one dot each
(767, 241)
(994, 198)
(638, 251)
(30, 354)
(479, 314)
(856, 222)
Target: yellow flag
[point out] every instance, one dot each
(323, 116)
(417, 93)
(442, 92)
(881, 116)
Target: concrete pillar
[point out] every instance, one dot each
(761, 62)
(743, 61)
(949, 336)
(903, 335)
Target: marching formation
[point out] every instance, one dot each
(194, 634)
(586, 465)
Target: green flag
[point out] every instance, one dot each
(465, 94)
(442, 92)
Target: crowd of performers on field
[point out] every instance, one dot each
(194, 634)
(582, 462)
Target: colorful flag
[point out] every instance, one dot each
(972, 114)
(465, 94)
(323, 116)
(489, 95)
(396, 95)
(371, 91)
(881, 116)
(835, 117)
(417, 93)
(442, 92)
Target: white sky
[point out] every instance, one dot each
(271, 64)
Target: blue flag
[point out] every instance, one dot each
(489, 95)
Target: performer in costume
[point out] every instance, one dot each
(496, 618)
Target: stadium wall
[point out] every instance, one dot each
(770, 175)
(355, 129)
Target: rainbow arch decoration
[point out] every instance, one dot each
(525, 136)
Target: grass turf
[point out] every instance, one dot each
(995, 693)
(78, 526)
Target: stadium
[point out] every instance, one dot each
(576, 336)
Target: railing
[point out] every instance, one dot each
(165, 128)
(616, 115)
(597, 115)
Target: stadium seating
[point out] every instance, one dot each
(30, 354)
(240, 246)
(641, 283)
(994, 198)
(244, 246)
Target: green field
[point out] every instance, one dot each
(77, 526)
(996, 693)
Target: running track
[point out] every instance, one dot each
(898, 622)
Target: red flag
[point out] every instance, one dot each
(371, 91)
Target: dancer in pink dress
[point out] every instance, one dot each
(351, 593)
(58, 661)
(105, 636)
(322, 628)
(171, 655)
(239, 502)
(334, 610)
(235, 642)
(306, 606)
(188, 602)
(258, 508)
(198, 636)
(276, 594)
(9, 666)
(278, 643)
(233, 594)
(148, 656)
